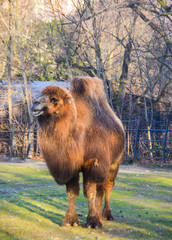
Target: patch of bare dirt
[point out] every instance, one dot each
(136, 169)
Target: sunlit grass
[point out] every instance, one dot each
(33, 206)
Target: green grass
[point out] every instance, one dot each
(33, 206)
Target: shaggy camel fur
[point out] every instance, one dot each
(79, 132)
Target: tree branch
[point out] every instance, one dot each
(152, 25)
(165, 7)
(161, 94)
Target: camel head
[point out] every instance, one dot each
(52, 101)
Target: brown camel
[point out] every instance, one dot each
(79, 132)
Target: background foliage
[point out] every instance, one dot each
(126, 43)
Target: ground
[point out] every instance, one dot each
(33, 206)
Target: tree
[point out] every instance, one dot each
(14, 39)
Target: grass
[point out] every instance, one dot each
(33, 207)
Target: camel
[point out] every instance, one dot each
(79, 132)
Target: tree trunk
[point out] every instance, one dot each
(30, 118)
(124, 75)
(9, 83)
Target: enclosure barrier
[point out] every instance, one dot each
(151, 140)
(145, 140)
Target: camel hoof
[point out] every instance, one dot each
(71, 220)
(93, 222)
(107, 214)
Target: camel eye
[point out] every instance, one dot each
(54, 100)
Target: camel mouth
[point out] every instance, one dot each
(37, 113)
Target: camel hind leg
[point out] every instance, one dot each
(109, 185)
(99, 199)
(95, 173)
(93, 220)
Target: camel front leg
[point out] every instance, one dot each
(71, 217)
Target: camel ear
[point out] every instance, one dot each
(68, 100)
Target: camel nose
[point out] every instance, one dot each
(38, 106)
(39, 101)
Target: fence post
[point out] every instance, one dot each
(136, 145)
(11, 141)
(164, 145)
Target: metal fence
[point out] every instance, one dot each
(21, 144)
(151, 141)
(148, 140)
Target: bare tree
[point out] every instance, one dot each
(16, 39)
(9, 55)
